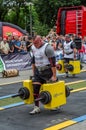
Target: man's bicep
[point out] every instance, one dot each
(49, 51)
(73, 45)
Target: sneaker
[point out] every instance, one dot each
(36, 110)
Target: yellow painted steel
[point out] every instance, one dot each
(76, 65)
(57, 91)
(28, 84)
(61, 62)
(61, 125)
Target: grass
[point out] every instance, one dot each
(78, 85)
(8, 101)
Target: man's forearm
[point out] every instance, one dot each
(54, 71)
(33, 68)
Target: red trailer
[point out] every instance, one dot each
(71, 20)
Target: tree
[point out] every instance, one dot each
(47, 9)
(3, 11)
(15, 11)
(44, 12)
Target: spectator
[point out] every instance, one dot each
(44, 39)
(60, 39)
(17, 45)
(29, 42)
(23, 45)
(59, 51)
(53, 44)
(81, 52)
(4, 47)
(0, 39)
(11, 45)
(84, 44)
(0, 43)
(49, 40)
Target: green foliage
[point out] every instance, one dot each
(44, 12)
(10, 16)
(41, 29)
(47, 10)
(9, 101)
(38, 27)
(78, 85)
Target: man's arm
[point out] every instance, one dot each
(33, 64)
(73, 46)
(53, 67)
(51, 56)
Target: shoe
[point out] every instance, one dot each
(36, 110)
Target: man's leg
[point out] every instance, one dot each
(66, 62)
(36, 89)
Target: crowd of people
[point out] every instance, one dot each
(15, 44)
(22, 44)
(57, 41)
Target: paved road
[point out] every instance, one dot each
(18, 118)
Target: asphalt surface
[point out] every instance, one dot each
(18, 118)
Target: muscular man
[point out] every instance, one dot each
(43, 65)
(69, 51)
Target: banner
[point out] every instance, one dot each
(16, 61)
(20, 61)
(1, 66)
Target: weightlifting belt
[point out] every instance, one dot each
(43, 68)
(69, 53)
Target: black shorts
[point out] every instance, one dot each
(42, 76)
(66, 60)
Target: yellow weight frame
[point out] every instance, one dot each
(56, 90)
(75, 64)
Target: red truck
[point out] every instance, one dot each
(71, 20)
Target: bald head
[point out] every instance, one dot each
(37, 41)
(67, 38)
